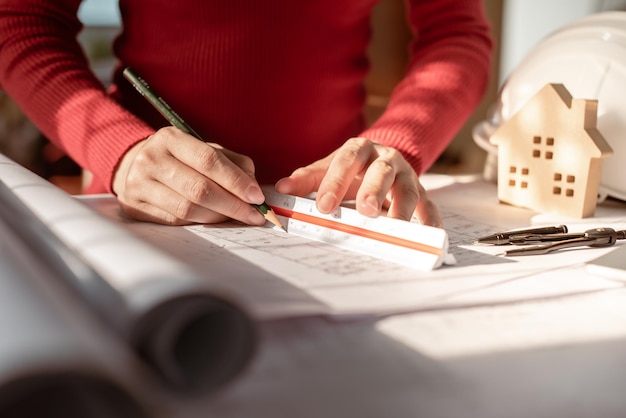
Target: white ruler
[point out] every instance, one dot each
(411, 244)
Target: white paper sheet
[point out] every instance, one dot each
(281, 275)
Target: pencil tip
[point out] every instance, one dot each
(271, 216)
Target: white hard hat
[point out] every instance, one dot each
(587, 56)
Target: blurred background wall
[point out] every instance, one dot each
(517, 25)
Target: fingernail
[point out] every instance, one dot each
(279, 183)
(371, 206)
(326, 202)
(254, 195)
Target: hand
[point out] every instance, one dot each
(175, 179)
(377, 176)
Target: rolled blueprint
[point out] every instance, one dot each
(54, 356)
(170, 314)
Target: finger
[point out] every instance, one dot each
(214, 164)
(240, 160)
(350, 160)
(405, 198)
(197, 194)
(378, 179)
(426, 211)
(170, 208)
(185, 194)
(303, 181)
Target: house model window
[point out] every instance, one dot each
(550, 154)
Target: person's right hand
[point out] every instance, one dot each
(173, 178)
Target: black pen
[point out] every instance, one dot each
(161, 105)
(502, 238)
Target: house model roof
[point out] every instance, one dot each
(550, 154)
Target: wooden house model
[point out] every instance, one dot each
(550, 154)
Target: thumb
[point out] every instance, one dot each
(303, 181)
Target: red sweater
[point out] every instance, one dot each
(279, 80)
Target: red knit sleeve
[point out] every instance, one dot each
(43, 68)
(446, 78)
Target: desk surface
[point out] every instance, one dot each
(277, 275)
(548, 357)
(544, 359)
(536, 354)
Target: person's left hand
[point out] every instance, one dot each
(378, 177)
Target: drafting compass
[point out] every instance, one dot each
(549, 239)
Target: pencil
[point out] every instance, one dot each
(159, 104)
